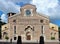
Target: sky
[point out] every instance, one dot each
(50, 8)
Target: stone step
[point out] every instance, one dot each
(30, 43)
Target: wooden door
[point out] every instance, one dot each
(28, 37)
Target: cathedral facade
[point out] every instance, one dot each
(28, 24)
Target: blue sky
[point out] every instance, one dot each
(47, 7)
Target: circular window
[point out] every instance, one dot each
(28, 12)
(41, 21)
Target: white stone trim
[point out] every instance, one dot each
(28, 9)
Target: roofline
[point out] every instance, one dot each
(54, 24)
(46, 16)
(53, 29)
(28, 4)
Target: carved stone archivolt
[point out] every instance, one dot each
(32, 28)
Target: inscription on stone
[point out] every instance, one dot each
(29, 21)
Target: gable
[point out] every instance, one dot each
(31, 16)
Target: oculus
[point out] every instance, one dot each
(28, 12)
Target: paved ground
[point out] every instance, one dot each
(29, 43)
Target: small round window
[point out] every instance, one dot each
(28, 12)
(41, 21)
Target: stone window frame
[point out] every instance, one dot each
(30, 10)
(14, 29)
(14, 20)
(41, 21)
(42, 29)
(5, 34)
(53, 36)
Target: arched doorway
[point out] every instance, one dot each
(28, 36)
(29, 32)
(5, 34)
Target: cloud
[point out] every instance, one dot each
(48, 7)
(54, 13)
(4, 18)
(18, 1)
(8, 6)
(11, 6)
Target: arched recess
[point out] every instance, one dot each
(32, 28)
(5, 34)
(29, 32)
(28, 36)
